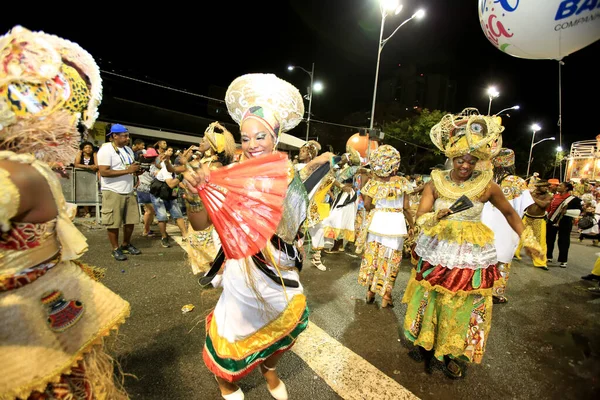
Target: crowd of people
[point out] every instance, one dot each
(461, 229)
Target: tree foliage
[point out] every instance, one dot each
(411, 137)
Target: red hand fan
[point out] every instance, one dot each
(245, 202)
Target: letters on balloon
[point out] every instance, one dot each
(540, 29)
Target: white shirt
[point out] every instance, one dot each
(164, 173)
(117, 159)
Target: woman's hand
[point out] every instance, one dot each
(196, 177)
(411, 234)
(443, 213)
(533, 251)
(324, 158)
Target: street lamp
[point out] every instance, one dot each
(492, 93)
(509, 108)
(535, 128)
(387, 6)
(314, 87)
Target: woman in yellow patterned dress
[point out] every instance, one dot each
(54, 316)
(386, 197)
(449, 294)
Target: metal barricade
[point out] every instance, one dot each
(81, 187)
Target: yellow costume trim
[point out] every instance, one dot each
(391, 190)
(278, 328)
(454, 231)
(339, 234)
(9, 200)
(473, 187)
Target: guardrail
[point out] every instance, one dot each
(81, 187)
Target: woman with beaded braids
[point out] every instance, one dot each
(449, 294)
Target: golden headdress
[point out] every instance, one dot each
(385, 160)
(467, 133)
(267, 98)
(505, 158)
(48, 86)
(313, 148)
(353, 155)
(220, 141)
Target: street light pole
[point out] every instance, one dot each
(310, 96)
(534, 128)
(398, 8)
(379, 48)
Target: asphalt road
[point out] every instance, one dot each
(544, 343)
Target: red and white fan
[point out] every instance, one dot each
(245, 202)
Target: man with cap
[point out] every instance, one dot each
(119, 203)
(535, 216)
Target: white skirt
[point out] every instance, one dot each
(239, 313)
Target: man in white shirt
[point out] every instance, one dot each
(119, 203)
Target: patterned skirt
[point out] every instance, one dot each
(449, 294)
(379, 267)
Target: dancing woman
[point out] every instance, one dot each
(262, 308)
(387, 200)
(449, 294)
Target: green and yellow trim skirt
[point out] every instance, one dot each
(233, 361)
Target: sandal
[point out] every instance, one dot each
(499, 300)
(332, 251)
(452, 369)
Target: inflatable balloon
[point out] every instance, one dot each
(360, 143)
(540, 29)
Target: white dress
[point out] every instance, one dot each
(519, 197)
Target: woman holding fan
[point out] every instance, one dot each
(262, 308)
(449, 294)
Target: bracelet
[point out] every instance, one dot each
(194, 203)
(427, 220)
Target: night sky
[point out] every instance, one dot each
(211, 43)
